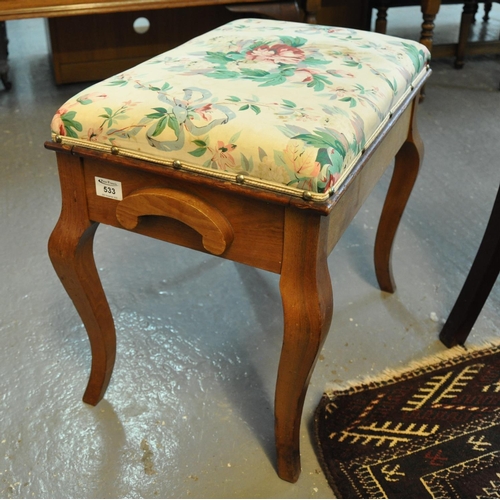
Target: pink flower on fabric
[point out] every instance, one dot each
(222, 156)
(90, 98)
(287, 54)
(57, 124)
(204, 111)
(304, 75)
(279, 53)
(96, 135)
(262, 53)
(332, 180)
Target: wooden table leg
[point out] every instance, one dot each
(429, 8)
(406, 168)
(306, 293)
(487, 10)
(482, 276)
(71, 253)
(466, 21)
(381, 20)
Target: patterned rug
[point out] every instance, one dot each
(432, 432)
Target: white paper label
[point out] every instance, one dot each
(108, 188)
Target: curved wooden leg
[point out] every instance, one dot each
(482, 276)
(71, 253)
(306, 293)
(405, 173)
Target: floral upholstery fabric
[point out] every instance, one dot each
(287, 103)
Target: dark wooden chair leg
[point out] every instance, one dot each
(4, 53)
(71, 253)
(306, 293)
(482, 276)
(406, 168)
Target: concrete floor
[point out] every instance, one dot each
(189, 409)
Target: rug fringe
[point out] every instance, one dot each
(388, 375)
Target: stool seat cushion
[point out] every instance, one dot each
(289, 106)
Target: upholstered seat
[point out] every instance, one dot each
(287, 104)
(257, 142)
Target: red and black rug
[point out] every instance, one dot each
(432, 432)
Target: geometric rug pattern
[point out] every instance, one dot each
(430, 432)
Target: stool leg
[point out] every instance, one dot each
(482, 276)
(71, 253)
(405, 173)
(306, 293)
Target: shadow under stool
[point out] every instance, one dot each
(257, 142)
(478, 284)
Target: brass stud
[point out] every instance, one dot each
(114, 150)
(177, 164)
(307, 195)
(240, 178)
(58, 139)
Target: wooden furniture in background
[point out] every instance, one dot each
(91, 48)
(465, 46)
(348, 13)
(72, 63)
(430, 9)
(84, 48)
(15, 9)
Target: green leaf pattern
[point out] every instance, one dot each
(289, 103)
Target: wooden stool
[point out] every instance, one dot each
(258, 142)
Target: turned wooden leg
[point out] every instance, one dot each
(306, 293)
(312, 7)
(381, 21)
(482, 276)
(487, 10)
(70, 250)
(405, 173)
(429, 8)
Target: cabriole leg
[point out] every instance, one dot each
(71, 253)
(306, 293)
(405, 173)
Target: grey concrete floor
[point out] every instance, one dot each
(189, 409)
